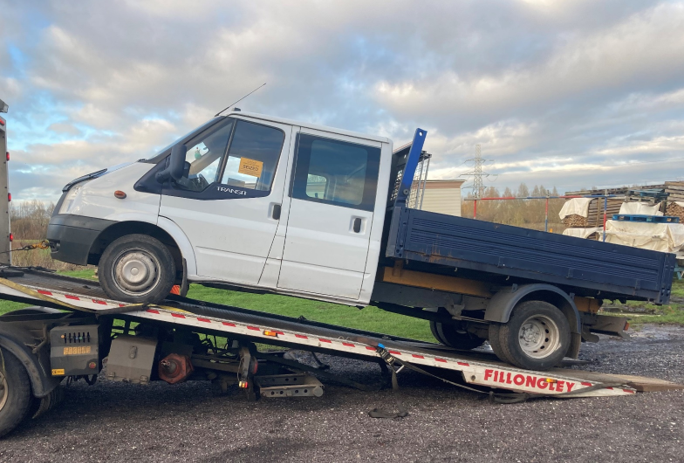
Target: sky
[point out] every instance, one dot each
(560, 93)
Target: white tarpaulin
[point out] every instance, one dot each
(637, 208)
(582, 232)
(664, 237)
(576, 206)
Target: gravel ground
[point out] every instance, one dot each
(188, 422)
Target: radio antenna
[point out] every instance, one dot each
(219, 113)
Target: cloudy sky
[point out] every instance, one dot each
(565, 93)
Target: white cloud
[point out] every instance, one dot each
(557, 92)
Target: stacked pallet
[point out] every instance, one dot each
(595, 213)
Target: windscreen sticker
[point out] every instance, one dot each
(250, 167)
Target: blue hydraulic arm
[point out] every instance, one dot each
(410, 167)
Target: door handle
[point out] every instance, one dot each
(357, 225)
(275, 213)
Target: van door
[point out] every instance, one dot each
(228, 202)
(333, 196)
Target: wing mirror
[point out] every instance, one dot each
(174, 168)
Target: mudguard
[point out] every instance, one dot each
(503, 302)
(37, 365)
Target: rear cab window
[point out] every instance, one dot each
(336, 172)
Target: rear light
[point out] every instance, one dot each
(9, 197)
(11, 237)
(2, 121)
(7, 154)
(626, 326)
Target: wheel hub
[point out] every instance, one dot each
(531, 333)
(136, 272)
(539, 336)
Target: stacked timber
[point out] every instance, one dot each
(675, 191)
(594, 216)
(675, 200)
(575, 221)
(613, 191)
(675, 210)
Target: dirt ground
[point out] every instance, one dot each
(188, 422)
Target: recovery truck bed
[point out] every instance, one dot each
(80, 295)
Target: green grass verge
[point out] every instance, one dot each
(369, 318)
(669, 314)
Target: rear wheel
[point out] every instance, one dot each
(15, 392)
(536, 337)
(451, 335)
(137, 268)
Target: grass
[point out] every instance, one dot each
(669, 314)
(372, 318)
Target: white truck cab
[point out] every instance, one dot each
(245, 200)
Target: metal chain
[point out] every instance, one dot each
(42, 245)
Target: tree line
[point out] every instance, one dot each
(29, 219)
(526, 213)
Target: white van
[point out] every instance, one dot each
(246, 200)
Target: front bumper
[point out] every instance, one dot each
(72, 237)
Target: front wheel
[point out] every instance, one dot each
(536, 337)
(137, 268)
(15, 392)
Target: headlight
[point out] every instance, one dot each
(69, 199)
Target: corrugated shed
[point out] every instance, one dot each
(443, 197)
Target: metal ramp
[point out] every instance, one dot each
(42, 288)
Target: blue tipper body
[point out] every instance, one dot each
(489, 250)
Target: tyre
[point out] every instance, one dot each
(137, 268)
(536, 337)
(15, 392)
(451, 335)
(494, 336)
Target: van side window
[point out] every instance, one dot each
(253, 156)
(336, 172)
(204, 156)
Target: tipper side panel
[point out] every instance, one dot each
(506, 250)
